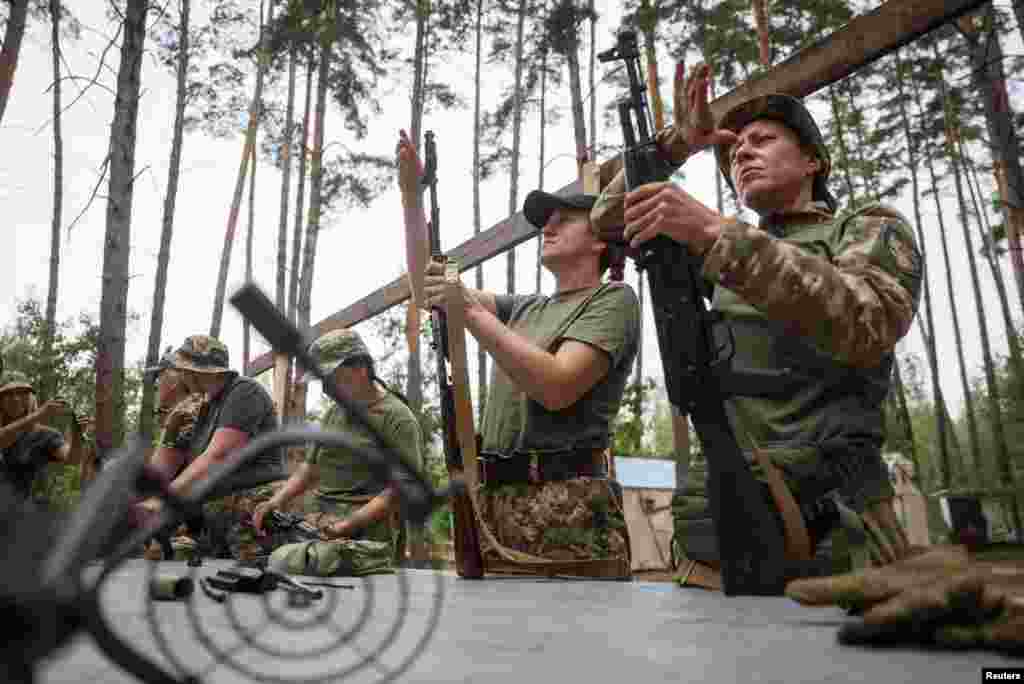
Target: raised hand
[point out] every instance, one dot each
(410, 168)
(53, 408)
(435, 289)
(693, 126)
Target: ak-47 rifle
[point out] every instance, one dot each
(468, 560)
(751, 546)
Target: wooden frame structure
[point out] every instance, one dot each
(866, 38)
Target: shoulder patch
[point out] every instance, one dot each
(903, 251)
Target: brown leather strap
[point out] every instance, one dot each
(697, 574)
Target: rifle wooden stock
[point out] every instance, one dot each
(458, 433)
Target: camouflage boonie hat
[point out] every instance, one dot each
(16, 381)
(791, 112)
(202, 354)
(335, 348)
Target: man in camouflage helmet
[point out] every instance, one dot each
(237, 409)
(816, 302)
(26, 443)
(561, 363)
(351, 498)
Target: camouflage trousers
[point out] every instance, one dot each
(578, 519)
(229, 532)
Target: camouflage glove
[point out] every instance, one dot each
(874, 536)
(942, 597)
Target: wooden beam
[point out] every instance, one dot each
(497, 239)
(865, 39)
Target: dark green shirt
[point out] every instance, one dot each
(244, 405)
(342, 475)
(609, 322)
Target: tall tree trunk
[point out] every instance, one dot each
(844, 157)
(972, 423)
(248, 149)
(517, 129)
(904, 412)
(989, 252)
(593, 82)
(246, 329)
(49, 388)
(992, 386)
(286, 183)
(414, 381)
(117, 242)
(576, 93)
(647, 18)
(156, 322)
(11, 48)
(300, 196)
(481, 358)
(315, 189)
(990, 80)
(941, 426)
(761, 24)
(299, 389)
(283, 362)
(540, 173)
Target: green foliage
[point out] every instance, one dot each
(630, 423)
(69, 371)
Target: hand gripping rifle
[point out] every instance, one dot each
(751, 545)
(468, 560)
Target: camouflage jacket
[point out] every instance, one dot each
(815, 304)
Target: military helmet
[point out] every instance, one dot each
(792, 113)
(202, 354)
(335, 348)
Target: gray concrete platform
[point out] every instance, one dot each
(508, 630)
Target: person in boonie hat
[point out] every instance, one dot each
(236, 410)
(26, 444)
(352, 498)
(171, 390)
(337, 348)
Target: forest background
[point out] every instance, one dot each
(224, 147)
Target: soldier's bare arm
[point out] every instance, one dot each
(305, 477)
(376, 509)
(225, 440)
(555, 381)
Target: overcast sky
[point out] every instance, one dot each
(358, 251)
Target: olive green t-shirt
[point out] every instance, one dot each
(342, 474)
(610, 322)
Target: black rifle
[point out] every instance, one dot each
(751, 545)
(468, 560)
(278, 521)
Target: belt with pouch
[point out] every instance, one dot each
(535, 468)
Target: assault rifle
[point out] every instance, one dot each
(751, 546)
(468, 561)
